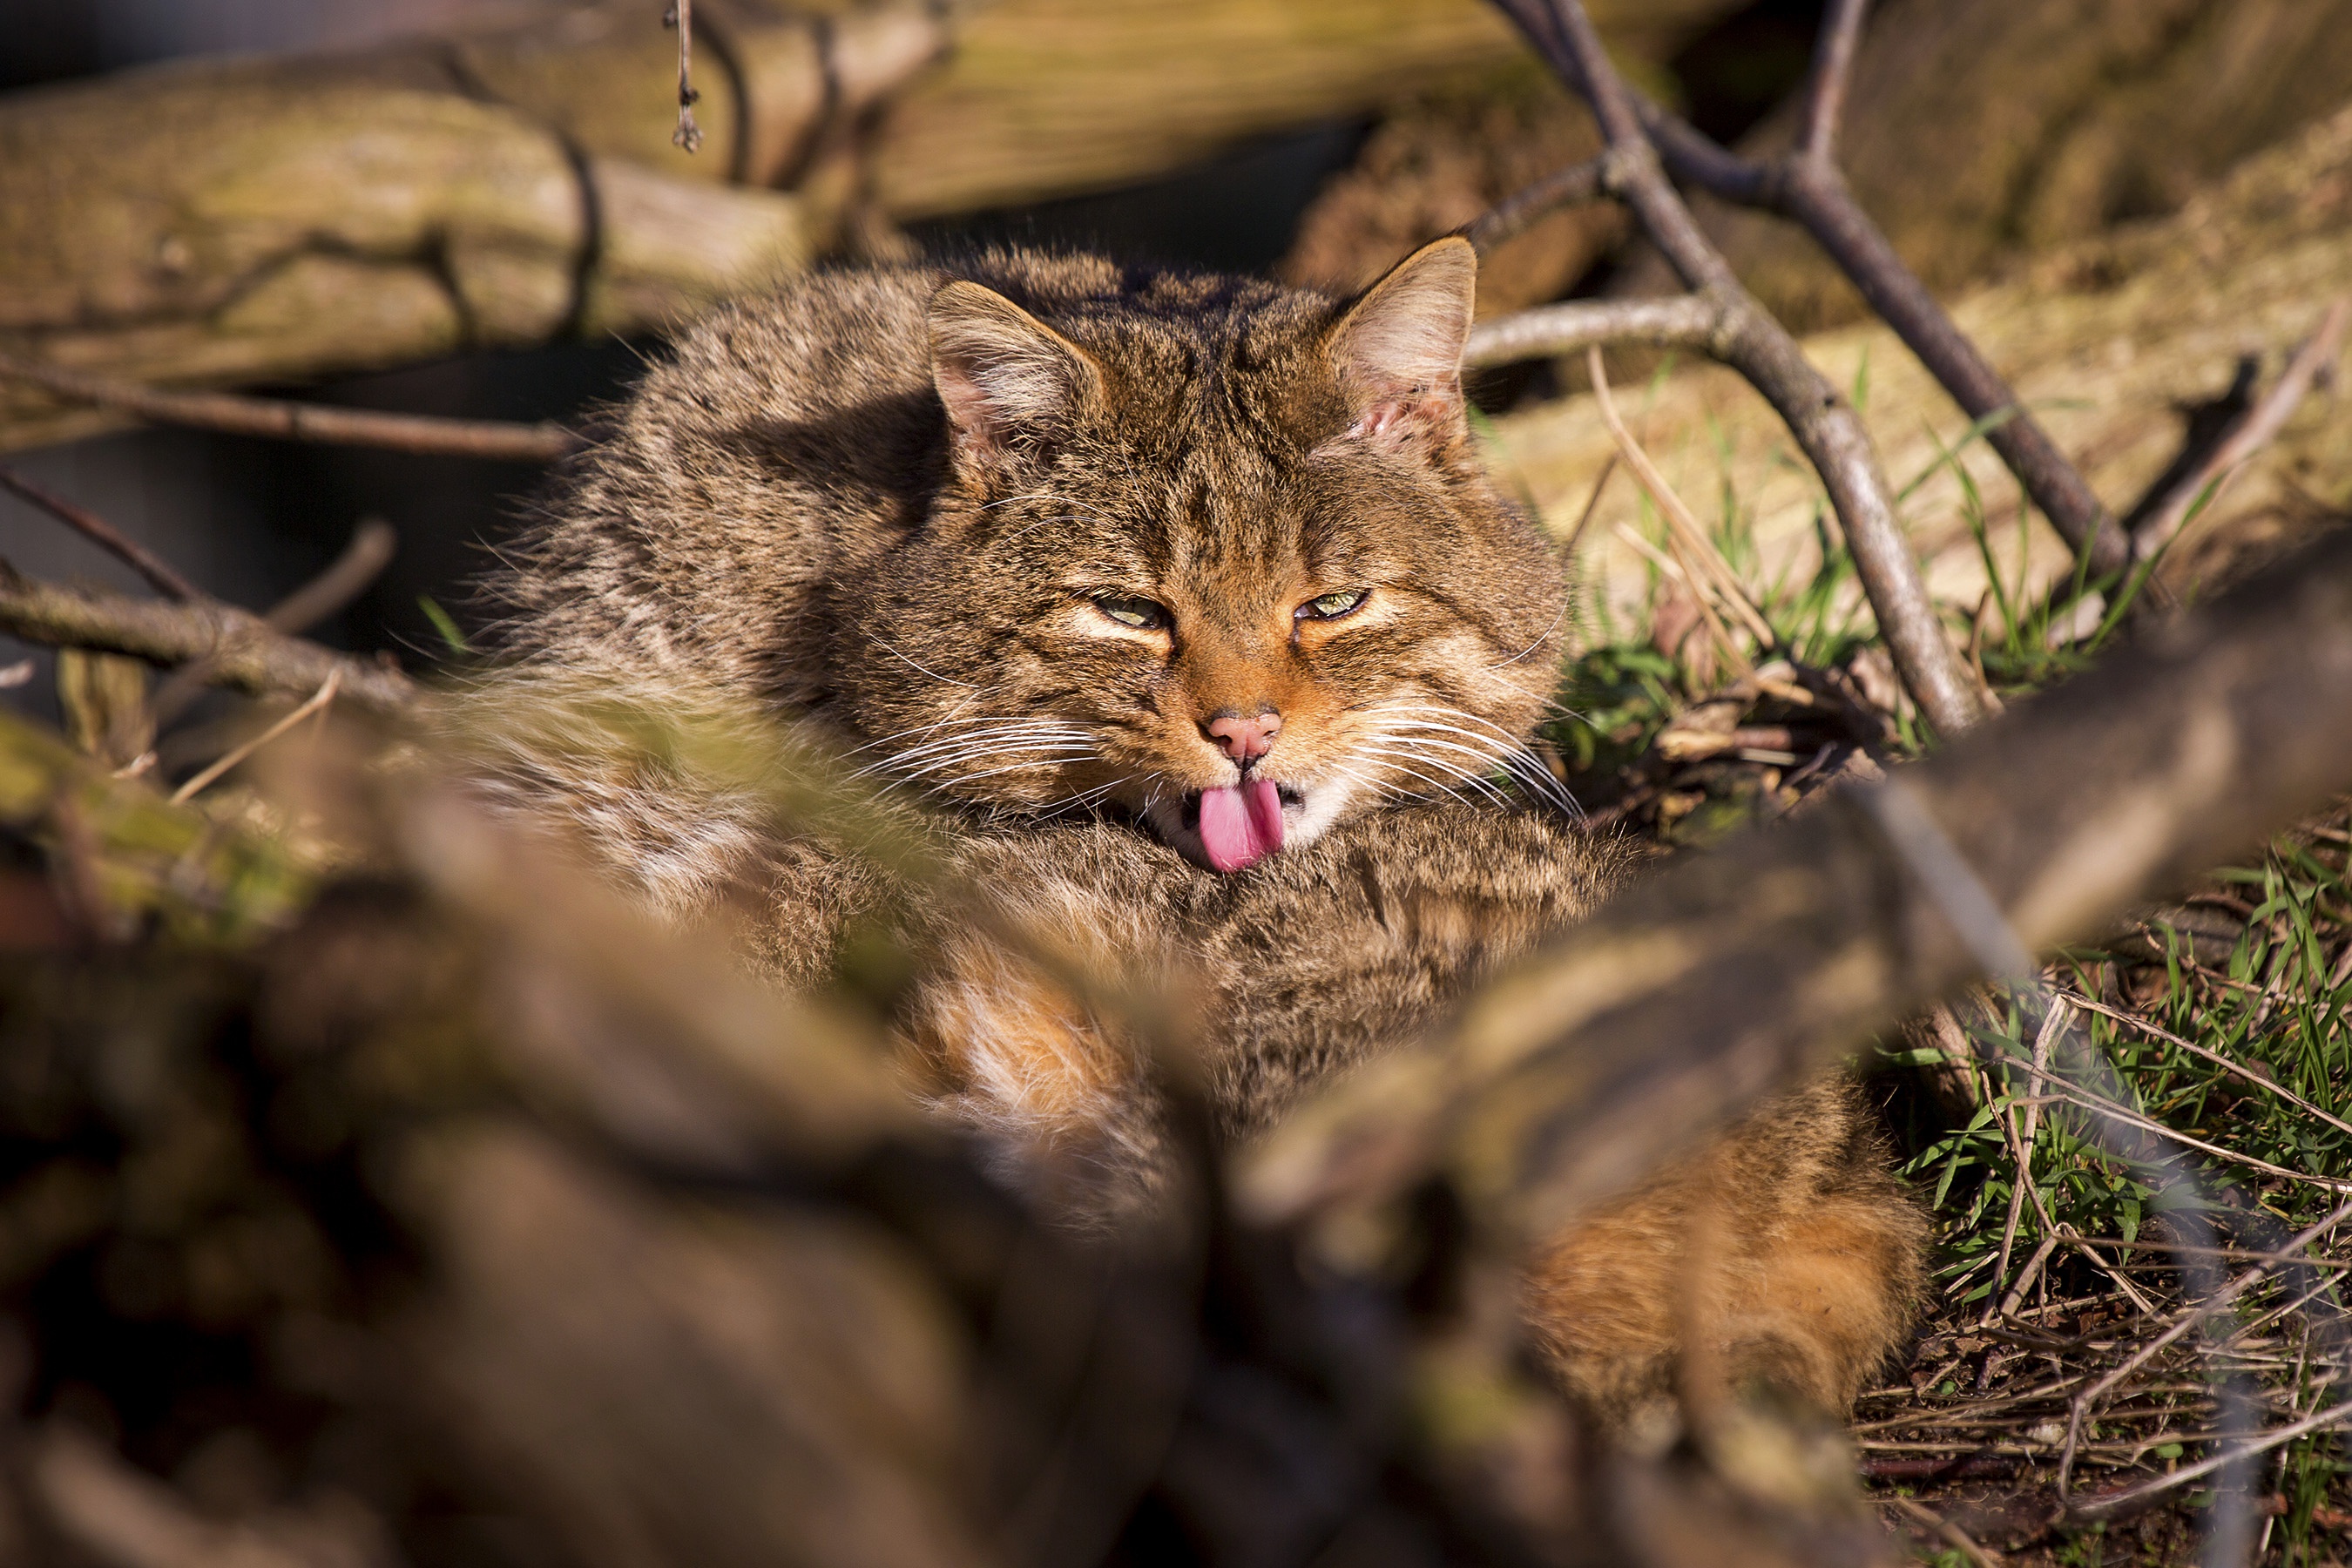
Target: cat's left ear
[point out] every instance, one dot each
(1398, 350)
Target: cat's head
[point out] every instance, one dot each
(1215, 552)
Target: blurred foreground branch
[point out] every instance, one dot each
(1740, 972)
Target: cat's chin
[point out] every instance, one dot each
(1309, 810)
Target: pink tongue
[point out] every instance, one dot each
(1239, 826)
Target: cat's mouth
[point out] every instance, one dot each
(1239, 825)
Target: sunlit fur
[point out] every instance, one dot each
(781, 510)
(885, 506)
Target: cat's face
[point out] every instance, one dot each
(1241, 578)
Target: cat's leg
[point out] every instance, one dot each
(1787, 1243)
(1062, 1097)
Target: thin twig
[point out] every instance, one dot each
(1679, 567)
(2216, 1058)
(1576, 185)
(2025, 1277)
(2108, 1504)
(1952, 1533)
(2165, 517)
(689, 135)
(2189, 1319)
(316, 704)
(104, 534)
(367, 554)
(1833, 72)
(1593, 505)
(250, 655)
(1760, 348)
(280, 419)
(345, 579)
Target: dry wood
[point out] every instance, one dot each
(2111, 342)
(1823, 422)
(1138, 88)
(519, 184)
(288, 421)
(104, 534)
(278, 219)
(241, 650)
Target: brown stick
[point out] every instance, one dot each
(367, 554)
(689, 135)
(280, 419)
(1731, 975)
(104, 534)
(2164, 517)
(1833, 72)
(1757, 347)
(246, 652)
(1811, 191)
(345, 579)
(1691, 322)
(1575, 185)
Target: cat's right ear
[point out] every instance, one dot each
(1008, 381)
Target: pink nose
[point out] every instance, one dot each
(1243, 740)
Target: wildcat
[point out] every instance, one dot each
(1183, 607)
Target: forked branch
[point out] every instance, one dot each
(241, 650)
(1806, 186)
(1747, 338)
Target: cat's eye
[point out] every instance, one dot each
(1140, 614)
(1331, 607)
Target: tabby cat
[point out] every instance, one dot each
(1184, 604)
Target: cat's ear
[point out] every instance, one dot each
(1007, 380)
(1398, 350)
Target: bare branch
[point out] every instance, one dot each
(1576, 185)
(689, 135)
(1697, 994)
(1833, 73)
(104, 534)
(244, 651)
(280, 419)
(1756, 345)
(1813, 193)
(1688, 322)
(369, 552)
(345, 579)
(2161, 517)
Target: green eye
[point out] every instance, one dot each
(1140, 614)
(1331, 607)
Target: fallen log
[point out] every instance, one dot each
(276, 219)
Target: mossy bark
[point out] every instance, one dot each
(276, 219)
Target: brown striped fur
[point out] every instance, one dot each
(1014, 535)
